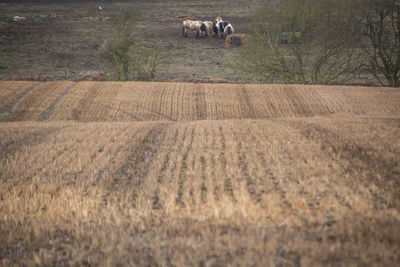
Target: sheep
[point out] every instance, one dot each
(207, 28)
(228, 30)
(223, 28)
(191, 25)
(215, 26)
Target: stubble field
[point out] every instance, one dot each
(107, 173)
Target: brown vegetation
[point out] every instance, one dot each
(236, 39)
(67, 37)
(306, 42)
(107, 173)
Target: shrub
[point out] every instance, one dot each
(307, 41)
(127, 56)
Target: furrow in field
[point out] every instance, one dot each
(131, 175)
(186, 104)
(237, 180)
(334, 99)
(151, 190)
(170, 168)
(320, 105)
(189, 104)
(91, 107)
(80, 156)
(200, 100)
(174, 169)
(122, 103)
(246, 105)
(79, 101)
(268, 103)
(215, 184)
(220, 101)
(50, 109)
(177, 103)
(34, 104)
(107, 105)
(361, 161)
(15, 139)
(94, 102)
(11, 93)
(166, 105)
(261, 102)
(158, 102)
(204, 188)
(185, 191)
(146, 99)
(180, 166)
(205, 166)
(151, 101)
(264, 180)
(296, 107)
(195, 187)
(296, 102)
(244, 168)
(209, 99)
(71, 106)
(281, 102)
(167, 158)
(21, 107)
(372, 101)
(225, 178)
(284, 176)
(165, 108)
(112, 103)
(312, 181)
(255, 148)
(142, 98)
(214, 174)
(269, 145)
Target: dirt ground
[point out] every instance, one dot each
(113, 173)
(62, 40)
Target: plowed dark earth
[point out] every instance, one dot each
(106, 173)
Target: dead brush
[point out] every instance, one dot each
(127, 57)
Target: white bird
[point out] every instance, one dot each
(100, 8)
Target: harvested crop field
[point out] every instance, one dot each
(107, 173)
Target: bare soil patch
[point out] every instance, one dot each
(62, 40)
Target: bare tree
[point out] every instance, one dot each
(307, 41)
(381, 20)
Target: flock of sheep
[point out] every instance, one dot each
(220, 27)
